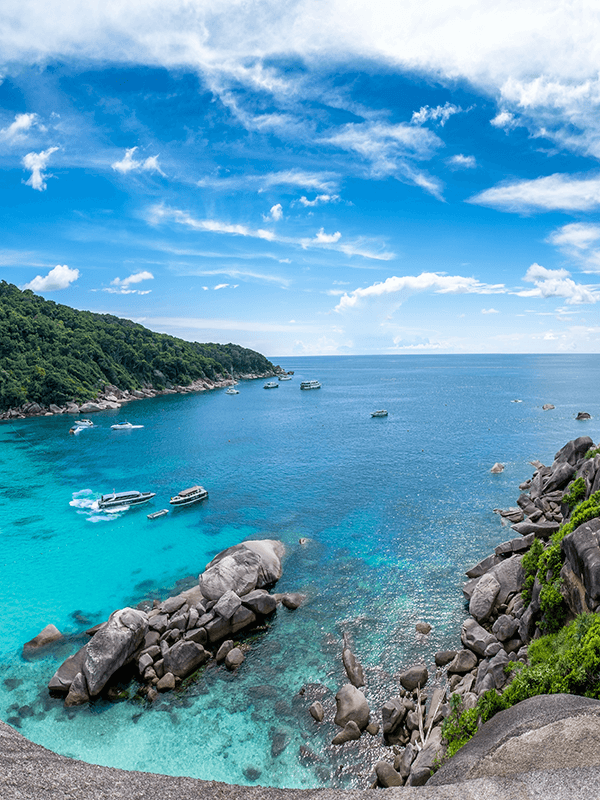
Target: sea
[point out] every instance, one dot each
(380, 518)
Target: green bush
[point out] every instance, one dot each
(576, 492)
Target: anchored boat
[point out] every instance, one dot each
(188, 496)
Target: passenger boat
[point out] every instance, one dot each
(310, 385)
(124, 499)
(157, 514)
(231, 390)
(271, 385)
(188, 496)
(381, 413)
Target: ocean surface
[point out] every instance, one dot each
(394, 511)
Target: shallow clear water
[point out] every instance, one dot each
(395, 510)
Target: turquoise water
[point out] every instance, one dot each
(395, 510)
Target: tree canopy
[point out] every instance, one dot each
(50, 353)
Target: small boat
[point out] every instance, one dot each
(285, 378)
(157, 514)
(231, 390)
(271, 385)
(124, 499)
(382, 413)
(188, 496)
(124, 426)
(310, 385)
(77, 429)
(83, 423)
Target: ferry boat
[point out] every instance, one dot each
(381, 413)
(310, 385)
(124, 499)
(271, 385)
(188, 496)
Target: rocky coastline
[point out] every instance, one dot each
(508, 608)
(111, 397)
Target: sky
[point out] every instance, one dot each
(309, 178)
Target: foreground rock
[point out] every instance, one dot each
(45, 637)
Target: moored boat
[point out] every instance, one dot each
(271, 385)
(231, 390)
(124, 499)
(310, 385)
(284, 378)
(381, 413)
(188, 496)
(157, 514)
(83, 423)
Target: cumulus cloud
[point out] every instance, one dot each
(462, 162)
(504, 120)
(320, 198)
(16, 130)
(558, 283)
(327, 238)
(439, 114)
(558, 192)
(129, 164)
(36, 163)
(276, 212)
(58, 278)
(122, 285)
(402, 287)
(489, 311)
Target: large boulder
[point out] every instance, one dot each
(45, 637)
(484, 596)
(61, 681)
(474, 637)
(581, 549)
(574, 450)
(243, 568)
(413, 677)
(113, 646)
(351, 705)
(185, 657)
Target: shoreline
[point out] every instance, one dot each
(113, 398)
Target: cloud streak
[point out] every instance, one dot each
(556, 192)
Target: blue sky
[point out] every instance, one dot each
(309, 178)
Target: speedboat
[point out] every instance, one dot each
(271, 385)
(285, 378)
(157, 514)
(124, 499)
(124, 426)
(231, 390)
(83, 423)
(188, 496)
(381, 413)
(310, 385)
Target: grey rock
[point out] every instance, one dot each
(260, 602)
(580, 415)
(223, 650)
(144, 662)
(113, 646)
(505, 627)
(573, 451)
(166, 683)
(465, 685)
(353, 668)
(218, 629)
(444, 657)
(562, 472)
(242, 568)
(293, 600)
(464, 661)
(547, 407)
(227, 605)
(78, 691)
(423, 765)
(482, 567)
(197, 635)
(179, 622)
(387, 775)
(408, 756)
(151, 638)
(509, 574)
(351, 732)
(172, 604)
(423, 627)
(474, 637)
(581, 549)
(412, 721)
(492, 649)
(497, 468)
(496, 669)
(392, 715)
(45, 637)
(413, 677)
(242, 618)
(351, 705)
(234, 659)
(159, 623)
(193, 617)
(184, 658)
(484, 596)
(372, 728)
(316, 711)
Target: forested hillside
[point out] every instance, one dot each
(50, 353)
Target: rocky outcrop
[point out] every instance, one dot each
(243, 568)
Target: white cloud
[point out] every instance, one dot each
(16, 130)
(57, 278)
(327, 238)
(276, 212)
(551, 193)
(505, 120)
(402, 287)
(161, 213)
(557, 283)
(122, 285)
(579, 235)
(316, 181)
(129, 164)
(36, 163)
(462, 162)
(489, 311)
(320, 198)
(441, 113)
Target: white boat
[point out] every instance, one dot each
(285, 378)
(157, 514)
(310, 385)
(231, 390)
(83, 423)
(381, 413)
(188, 496)
(124, 499)
(124, 426)
(271, 385)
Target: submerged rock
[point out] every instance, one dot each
(45, 637)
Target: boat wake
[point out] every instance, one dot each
(86, 503)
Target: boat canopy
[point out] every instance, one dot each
(191, 490)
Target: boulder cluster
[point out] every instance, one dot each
(111, 397)
(178, 636)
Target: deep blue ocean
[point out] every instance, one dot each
(394, 510)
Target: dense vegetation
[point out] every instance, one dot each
(50, 353)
